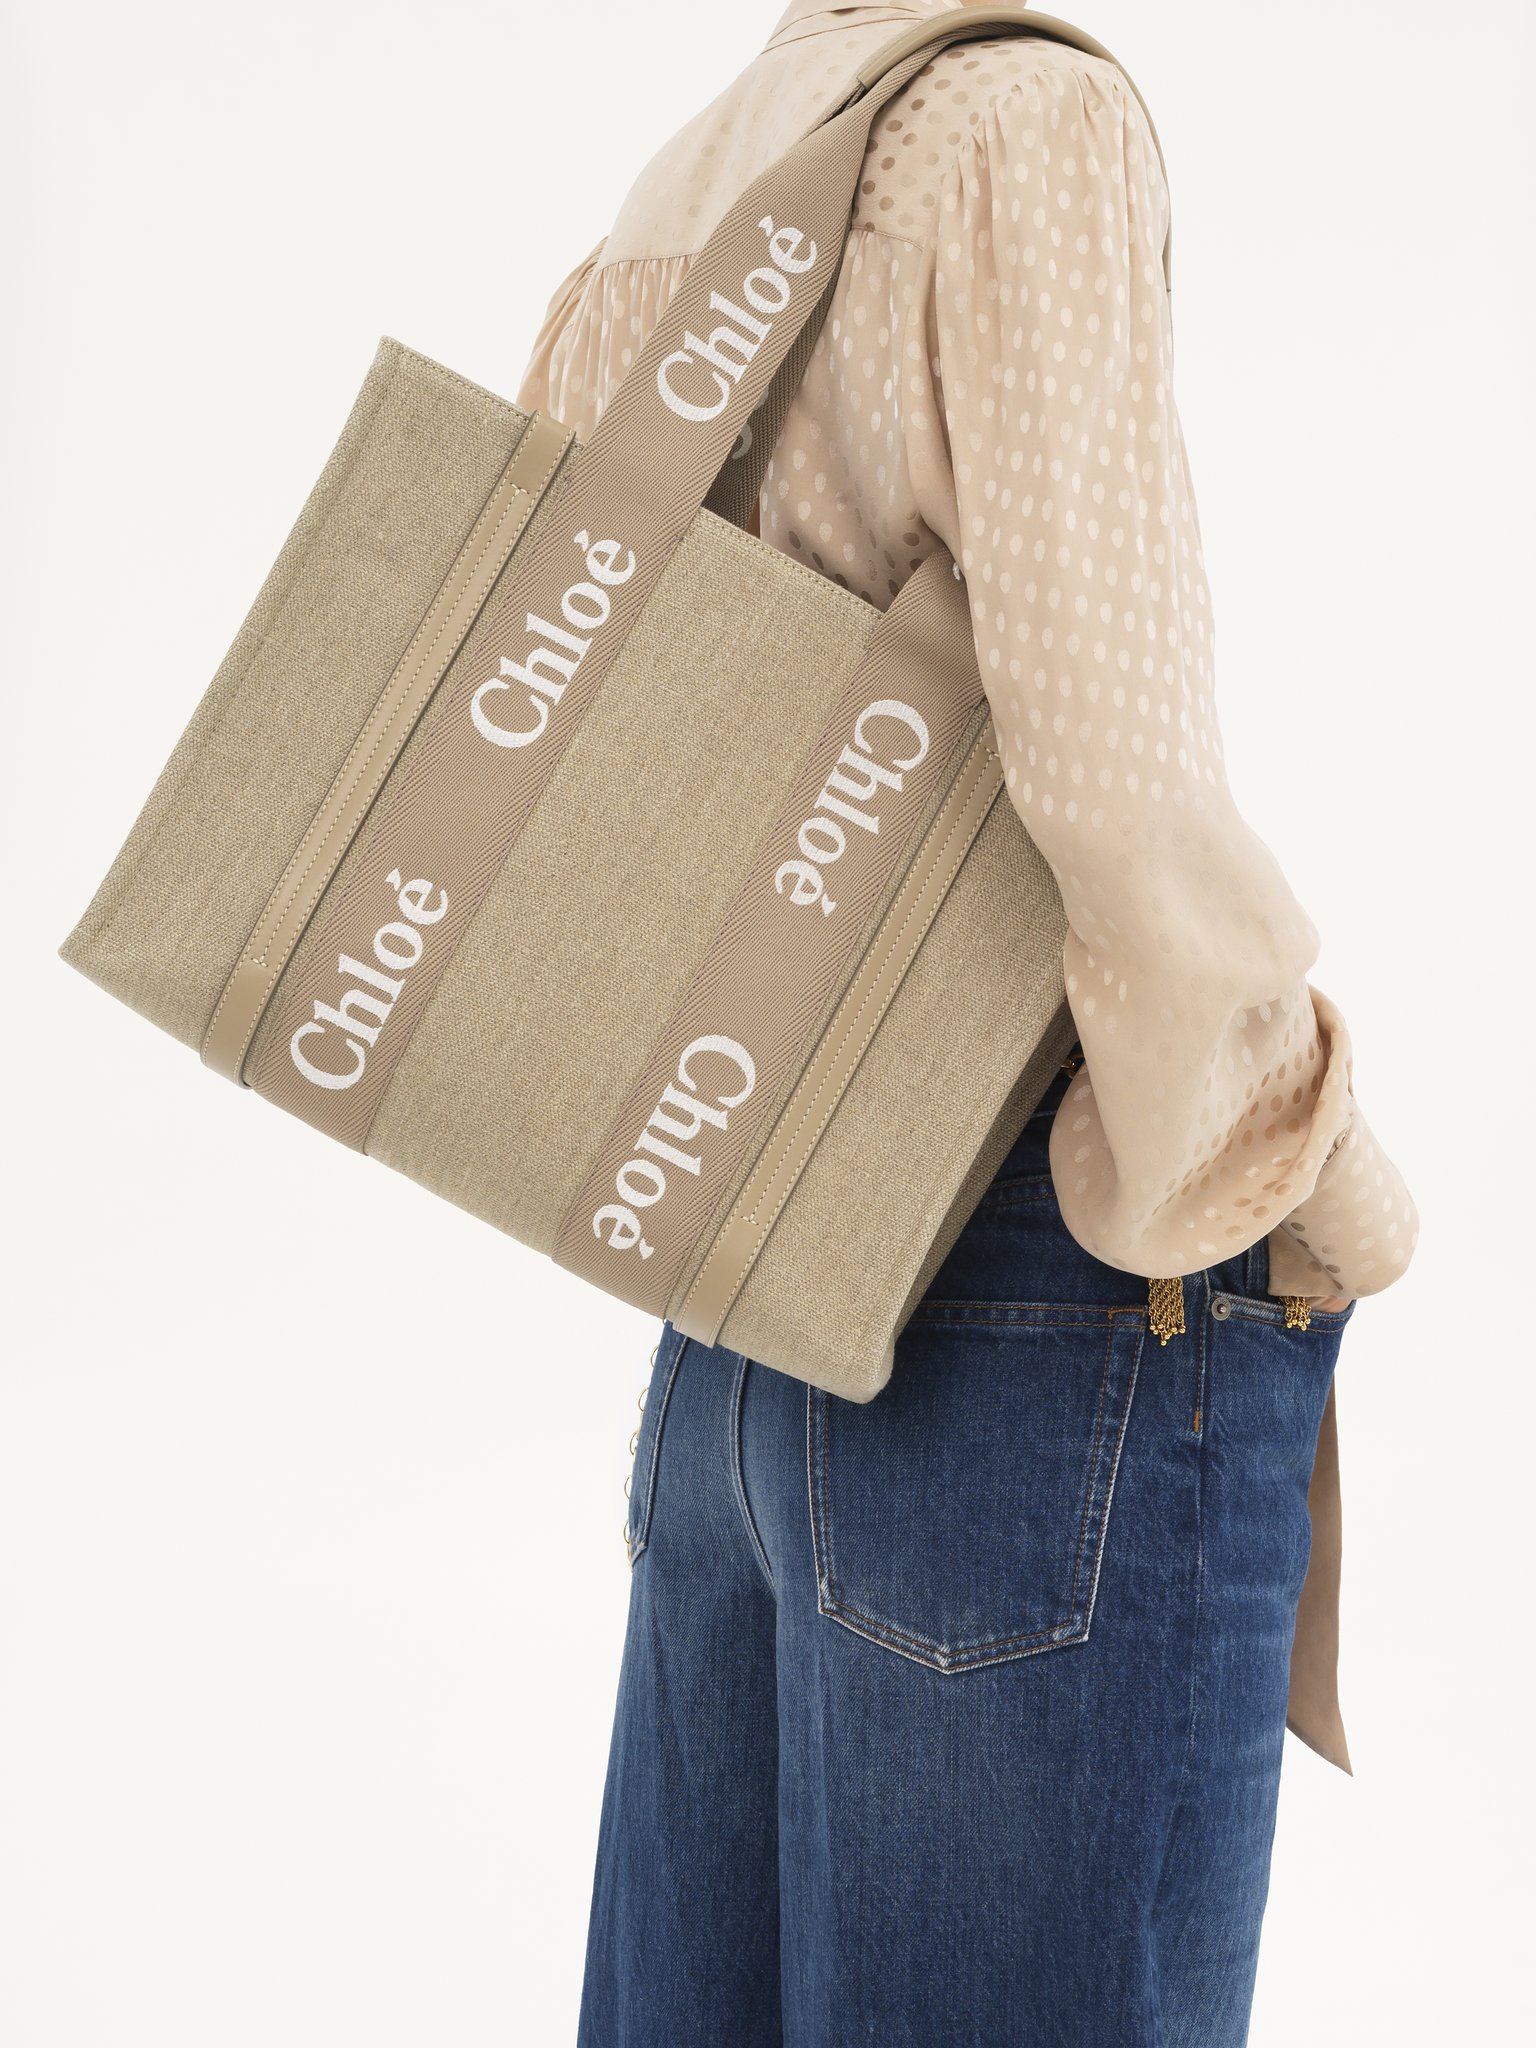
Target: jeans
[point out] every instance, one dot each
(955, 1716)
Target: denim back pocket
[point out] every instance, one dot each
(959, 1517)
(642, 1476)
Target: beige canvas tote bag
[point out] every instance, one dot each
(561, 844)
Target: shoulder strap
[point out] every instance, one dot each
(976, 24)
(735, 490)
(704, 395)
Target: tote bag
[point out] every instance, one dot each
(561, 844)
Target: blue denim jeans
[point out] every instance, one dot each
(955, 1716)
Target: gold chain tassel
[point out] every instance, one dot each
(1165, 1297)
(1165, 1307)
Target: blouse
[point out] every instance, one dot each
(995, 375)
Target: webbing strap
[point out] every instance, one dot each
(736, 1042)
(384, 931)
(731, 1256)
(735, 490)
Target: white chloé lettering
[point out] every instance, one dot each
(365, 1008)
(729, 349)
(544, 673)
(853, 783)
(680, 1115)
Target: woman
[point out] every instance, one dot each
(914, 1742)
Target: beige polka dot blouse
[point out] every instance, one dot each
(996, 374)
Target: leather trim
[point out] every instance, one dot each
(832, 1065)
(463, 591)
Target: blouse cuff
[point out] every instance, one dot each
(1356, 1231)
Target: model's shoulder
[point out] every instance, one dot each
(1022, 95)
(1008, 77)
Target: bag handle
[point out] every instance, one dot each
(689, 399)
(734, 493)
(738, 317)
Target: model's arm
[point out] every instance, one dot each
(1215, 1105)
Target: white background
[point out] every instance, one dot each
(310, 1640)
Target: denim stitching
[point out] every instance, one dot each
(1204, 1333)
(1181, 1806)
(1016, 1314)
(948, 1666)
(655, 1447)
(821, 1509)
(738, 1477)
(968, 1656)
(1114, 1474)
(1093, 1466)
(1273, 1312)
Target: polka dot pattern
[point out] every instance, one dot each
(995, 375)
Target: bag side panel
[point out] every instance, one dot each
(419, 452)
(1015, 1113)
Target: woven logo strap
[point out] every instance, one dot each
(593, 552)
(736, 1042)
(735, 489)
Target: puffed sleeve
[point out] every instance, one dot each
(545, 375)
(1215, 1104)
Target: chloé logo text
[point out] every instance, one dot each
(540, 679)
(714, 1076)
(331, 1050)
(851, 795)
(696, 380)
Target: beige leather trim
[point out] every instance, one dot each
(409, 690)
(831, 1067)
